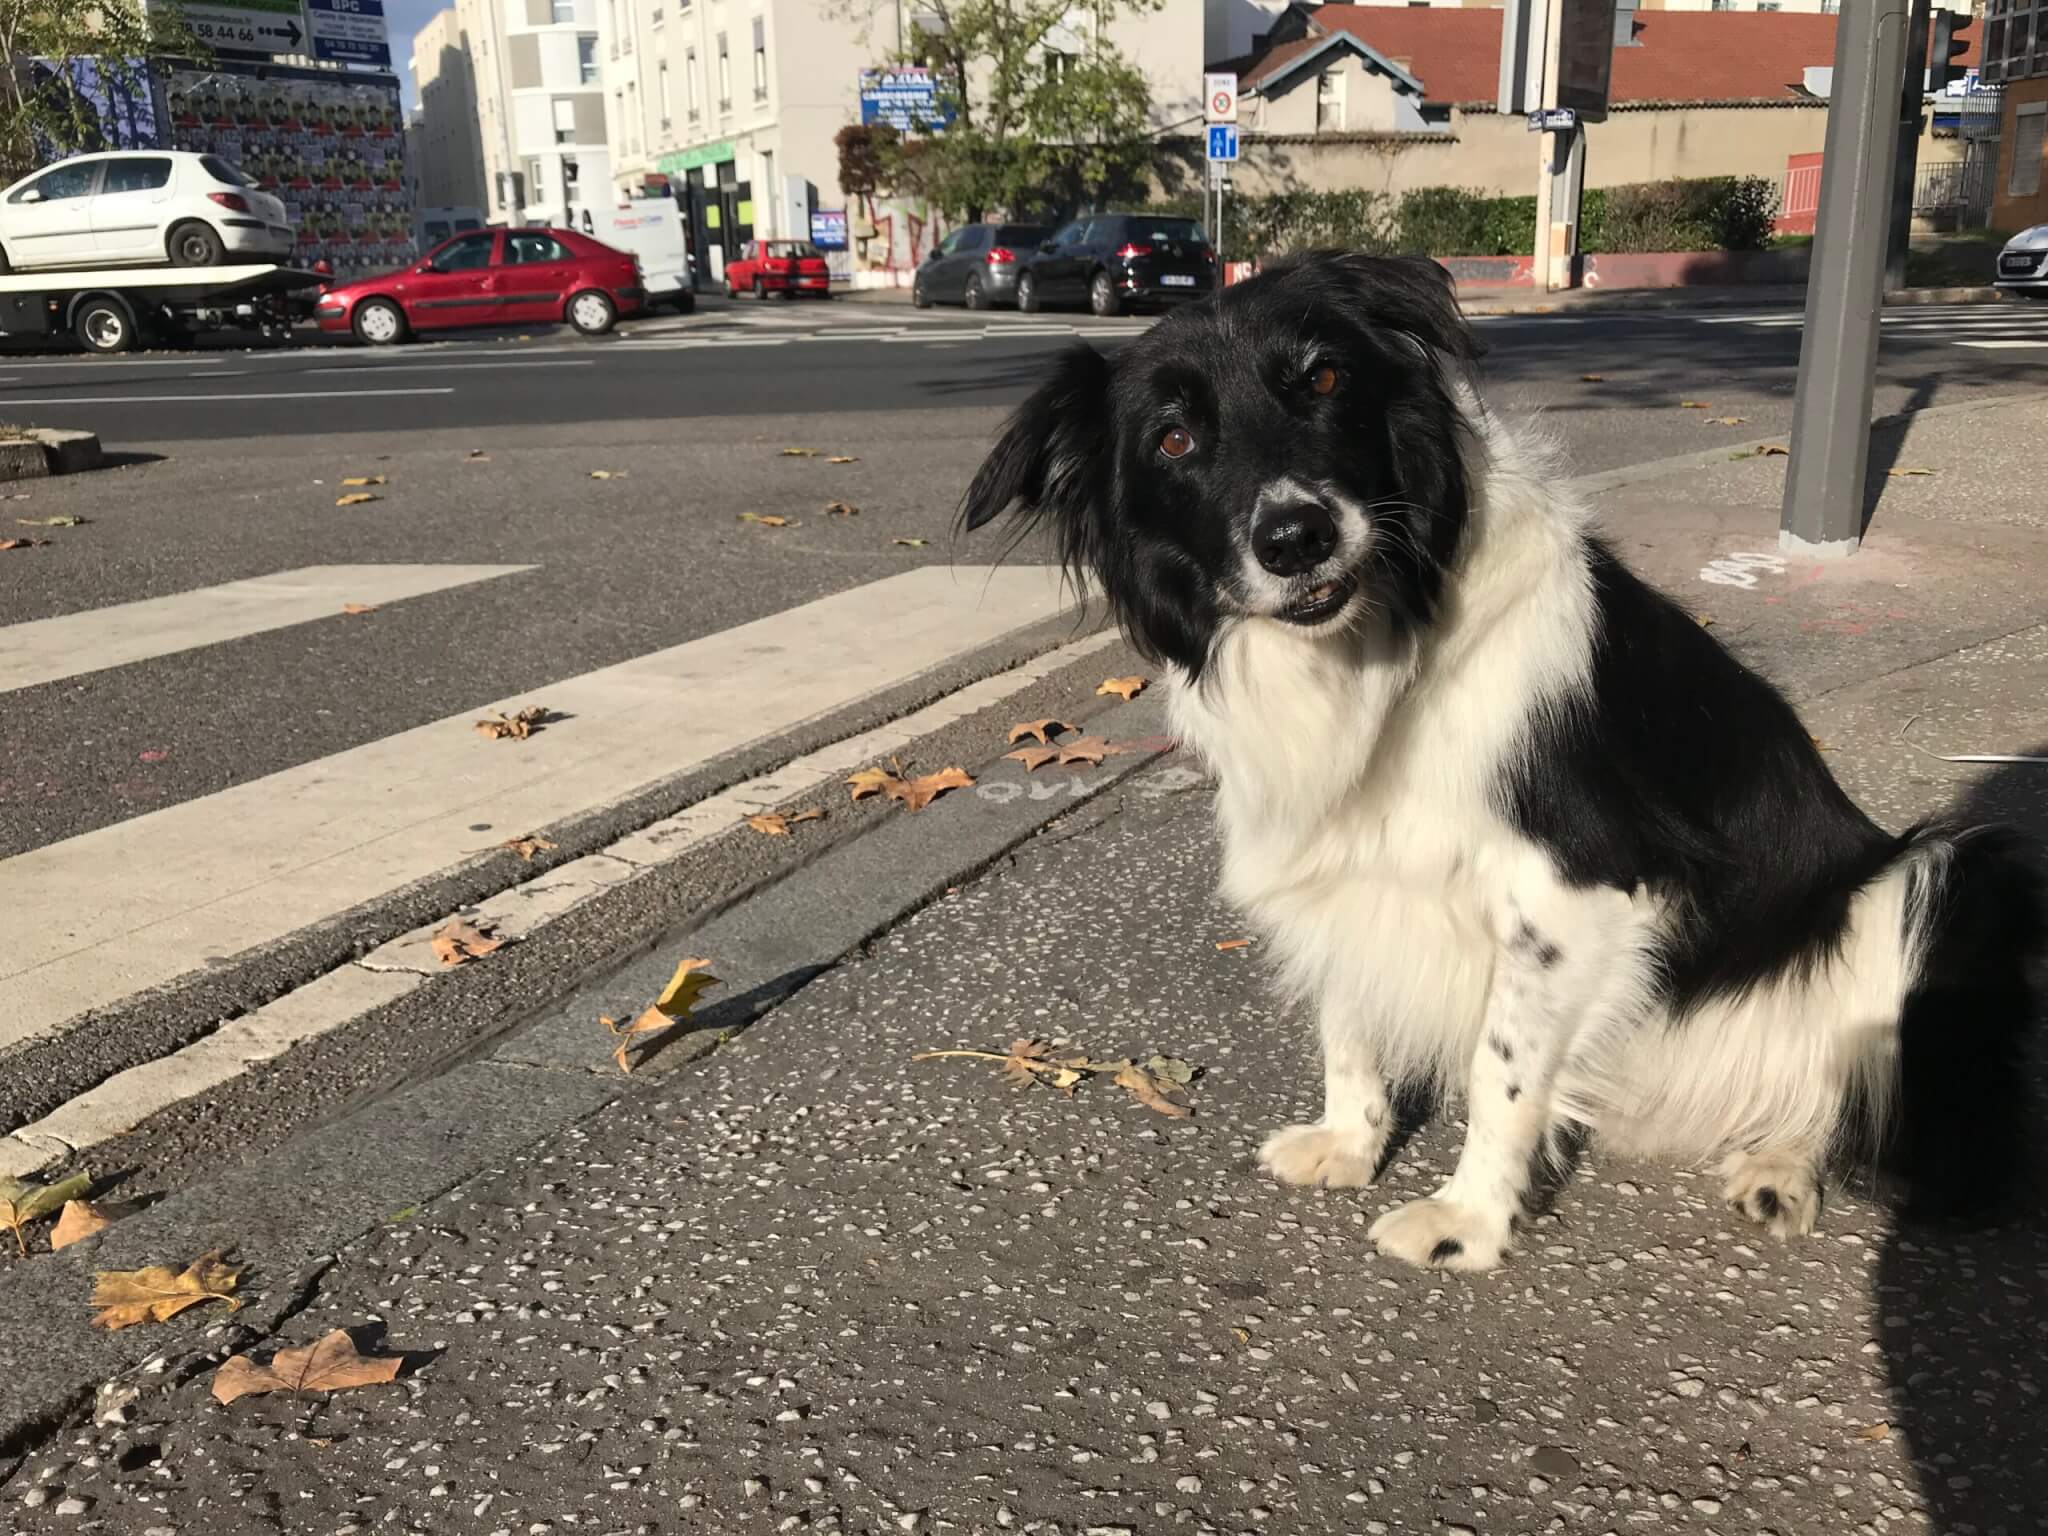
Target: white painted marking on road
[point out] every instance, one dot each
(135, 905)
(2005, 346)
(46, 650)
(342, 996)
(937, 336)
(86, 360)
(205, 399)
(455, 367)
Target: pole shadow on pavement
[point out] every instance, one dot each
(1963, 1313)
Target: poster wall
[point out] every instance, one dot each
(333, 149)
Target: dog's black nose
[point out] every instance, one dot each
(1294, 537)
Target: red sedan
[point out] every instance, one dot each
(491, 277)
(787, 267)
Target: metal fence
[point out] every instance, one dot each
(1959, 192)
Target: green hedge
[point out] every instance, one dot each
(1718, 213)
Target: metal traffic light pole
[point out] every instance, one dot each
(1912, 93)
(1823, 508)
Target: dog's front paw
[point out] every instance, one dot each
(1777, 1191)
(1442, 1234)
(1321, 1154)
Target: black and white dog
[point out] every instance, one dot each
(1510, 822)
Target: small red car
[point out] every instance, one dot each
(787, 267)
(491, 277)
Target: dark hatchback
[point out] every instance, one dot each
(976, 265)
(1116, 261)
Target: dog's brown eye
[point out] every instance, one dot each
(1324, 380)
(1177, 444)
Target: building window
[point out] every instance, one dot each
(565, 120)
(661, 75)
(536, 183)
(1769, 5)
(760, 58)
(1330, 101)
(657, 18)
(570, 177)
(724, 75)
(586, 59)
(632, 117)
(1058, 66)
(2029, 130)
(1830, 7)
(690, 84)
(565, 10)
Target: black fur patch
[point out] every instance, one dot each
(1514, 1092)
(1767, 1203)
(1446, 1248)
(1501, 1048)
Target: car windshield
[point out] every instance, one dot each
(1158, 231)
(789, 250)
(221, 171)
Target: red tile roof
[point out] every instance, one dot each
(1724, 56)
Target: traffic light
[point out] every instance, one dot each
(1948, 48)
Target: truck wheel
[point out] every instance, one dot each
(592, 312)
(104, 325)
(193, 244)
(378, 323)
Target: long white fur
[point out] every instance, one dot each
(1360, 836)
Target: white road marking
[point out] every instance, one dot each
(453, 367)
(45, 650)
(204, 399)
(86, 360)
(137, 904)
(341, 996)
(2001, 346)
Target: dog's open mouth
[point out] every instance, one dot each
(1320, 602)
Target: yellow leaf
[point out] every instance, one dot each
(607, 474)
(1126, 688)
(22, 1202)
(1904, 470)
(159, 1293)
(911, 543)
(766, 519)
(78, 1221)
(843, 458)
(356, 498)
(870, 781)
(457, 942)
(799, 453)
(363, 480)
(332, 1365)
(672, 1007)
(1693, 405)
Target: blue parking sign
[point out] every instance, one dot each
(1222, 141)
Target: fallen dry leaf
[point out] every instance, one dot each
(767, 519)
(159, 1293)
(920, 792)
(870, 781)
(476, 456)
(775, 824)
(457, 942)
(607, 474)
(78, 1221)
(66, 521)
(356, 498)
(1904, 470)
(363, 480)
(22, 543)
(1172, 1069)
(1040, 731)
(1592, 378)
(1731, 421)
(1086, 749)
(515, 727)
(1125, 688)
(842, 509)
(1878, 1431)
(358, 607)
(672, 1007)
(799, 453)
(526, 847)
(1033, 758)
(1819, 745)
(1704, 620)
(1233, 944)
(1151, 1091)
(332, 1365)
(1693, 405)
(22, 1202)
(911, 543)
(1774, 451)
(844, 458)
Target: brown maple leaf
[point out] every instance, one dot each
(1085, 749)
(332, 1365)
(916, 794)
(514, 727)
(363, 480)
(526, 847)
(79, 1220)
(1125, 688)
(870, 781)
(1694, 405)
(1774, 451)
(356, 498)
(358, 607)
(777, 824)
(1150, 1091)
(766, 519)
(1033, 758)
(1040, 731)
(159, 1293)
(457, 942)
(1026, 1060)
(674, 1005)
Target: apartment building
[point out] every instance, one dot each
(539, 107)
(448, 155)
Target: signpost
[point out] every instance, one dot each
(1219, 105)
(349, 32)
(249, 26)
(1219, 98)
(908, 100)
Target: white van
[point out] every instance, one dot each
(650, 228)
(430, 226)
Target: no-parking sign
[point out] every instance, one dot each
(1219, 98)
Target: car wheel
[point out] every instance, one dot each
(760, 289)
(378, 323)
(592, 313)
(104, 325)
(919, 299)
(193, 244)
(1103, 298)
(1027, 294)
(975, 297)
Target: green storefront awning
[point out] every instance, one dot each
(690, 159)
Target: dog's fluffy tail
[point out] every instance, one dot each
(1952, 1118)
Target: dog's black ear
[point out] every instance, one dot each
(1411, 295)
(1051, 454)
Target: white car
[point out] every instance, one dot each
(141, 208)
(2023, 264)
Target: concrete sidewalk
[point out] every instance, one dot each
(804, 1282)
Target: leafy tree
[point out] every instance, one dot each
(57, 51)
(1034, 125)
